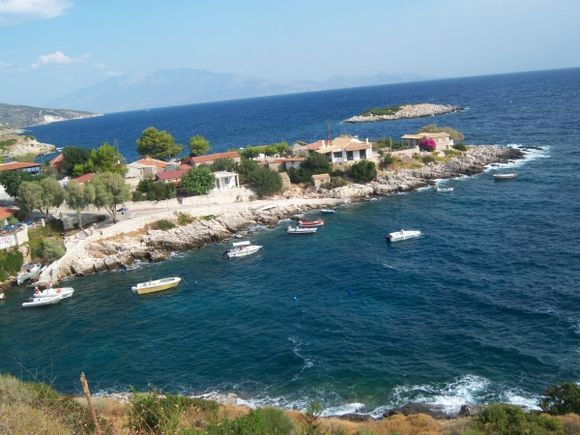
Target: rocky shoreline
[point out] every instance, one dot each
(408, 111)
(125, 246)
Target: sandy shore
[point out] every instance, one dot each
(120, 245)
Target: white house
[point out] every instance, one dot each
(442, 140)
(225, 180)
(146, 167)
(346, 149)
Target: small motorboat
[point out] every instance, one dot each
(41, 302)
(301, 230)
(327, 210)
(505, 176)
(156, 285)
(444, 189)
(2, 297)
(403, 235)
(63, 292)
(316, 223)
(31, 271)
(242, 249)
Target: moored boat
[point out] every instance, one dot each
(156, 285)
(327, 210)
(30, 271)
(397, 236)
(301, 230)
(64, 292)
(242, 249)
(40, 302)
(315, 223)
(445, 189)
(505, 176)
(2, 297)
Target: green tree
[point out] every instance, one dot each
(53, 194)
(265, 181)
(224, 165)
(110, 192)
(157, 144)
(73, 156)
(456, 135)
(198, 145)
(108, 159)
(562, 399)
(198, 181)
(78, 197)
(363, 171)
(151, 190)
(11, 181)
(316, 163)
(503, 419)
(30, 197)
(246, 168)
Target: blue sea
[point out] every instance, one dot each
(484, 307)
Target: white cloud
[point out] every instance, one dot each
(20, 11)
(58, 58)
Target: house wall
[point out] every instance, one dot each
(17, 238)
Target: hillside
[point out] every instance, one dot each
(16, 116)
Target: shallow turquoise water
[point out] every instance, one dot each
(485, 306)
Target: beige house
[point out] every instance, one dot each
(442, 140)
(346, 149)
(144, 168)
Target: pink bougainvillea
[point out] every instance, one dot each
(428, 144)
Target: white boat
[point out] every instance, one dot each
(327, 210)
(242, 249)
(30, 271)
(301, 230)
(2, 297)
(156, 285)
(403, 235)
(40, 302)
(505, 176)
(63, 292)
(445, 189)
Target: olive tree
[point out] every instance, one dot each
(110, 192)
(78, 197)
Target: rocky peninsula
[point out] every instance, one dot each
(406, 111)
(121, 245)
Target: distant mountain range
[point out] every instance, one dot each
(15, 116)
(188, 86)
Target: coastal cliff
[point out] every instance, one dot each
(121, 245)
(406, 111)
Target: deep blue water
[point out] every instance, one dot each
(485, 306)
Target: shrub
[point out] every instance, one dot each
(562, 399)
(163, 225)
(184, 218)
(314, 409)
(388, 159)
(428, 159)
(428, 144)
(198, 181)
(363, 171)
(224, 165)
(10, 263)
(151, 190)
(52, 249)
(334, 183)
(265, 181)
(460, 147)
(500, 418)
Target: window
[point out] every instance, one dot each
(349, 155)
(362, 154)
(337, 155)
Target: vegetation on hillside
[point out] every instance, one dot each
(456, 135)
(314, 163)
(10, 263)
(198, 181)
(158, 144)
(18, 116)
(198, 145)
(268, 150)
(380, 111)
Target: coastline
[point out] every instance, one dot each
(407, 111)
(125, 243)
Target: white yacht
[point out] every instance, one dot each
(242, 249)
(403, 235)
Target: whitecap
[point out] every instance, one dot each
(348, 408)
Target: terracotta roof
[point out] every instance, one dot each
(57, 160)
(212, 157)
(320, 176)
(315, 145)
(84, 178)
(358, 146)
(294, 159)
(172, 175)
(147, 161)
(441, 135)
(6, 213)
(18, 165)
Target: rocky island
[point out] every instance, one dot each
(406, 111)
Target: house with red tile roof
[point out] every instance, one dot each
(6, 213)
(30, 167)
(57, 162)
(208, 159)
(146, 167)
(173, 176)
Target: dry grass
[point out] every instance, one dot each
(20, 419)
(570, 423)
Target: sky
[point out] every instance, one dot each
(49, 48)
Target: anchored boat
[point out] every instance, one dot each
(31, 271)
(315, 223)
(505, 176)
(327, 210)
(63, 292)
(242, 249)
(301, 230)
(41, 302)
(156, 285)
(397, 236)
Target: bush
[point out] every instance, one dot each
(500, 418)
(363, 171)
(561, 399)
(163, 225)
(428, 144)
(10, 263)
(388, 159)
(229, 165)
(184, 218)
(52, 249)
(198, 181)
(460, 147)
(151, 190)
(334, 183)
(265, 181)
(428, 159)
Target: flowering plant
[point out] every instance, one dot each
(428, 144)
